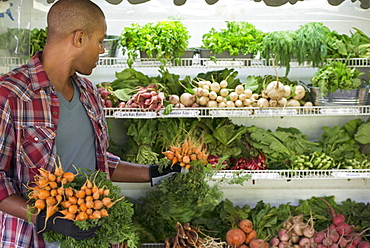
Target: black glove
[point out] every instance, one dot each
(157, 176)
(62, 226)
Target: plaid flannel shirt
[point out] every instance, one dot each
(29, 112)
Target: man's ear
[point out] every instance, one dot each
(79, 38)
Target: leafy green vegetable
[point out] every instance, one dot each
(280, 46)
(239, 37)
(312, 43)
(334, 76)
(164, 40)
(228, 74)
(180, 198)
(282, 145)
(116, 228)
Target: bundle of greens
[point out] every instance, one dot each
(180, 198)
(334, 76)
(238, 38)
(281, 146)
(280, 46)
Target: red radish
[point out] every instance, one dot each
(274, 241)
(246, 225)
(334, 235)
(235, 237)
(344, 229)
(122, 104)
(108, 103)
(320, 246)
(337, 218)
(284, 244)
(283, 235)
(343, 242)
(319, 237)
(327, 241)
(104, 94)
(363, 244)
(350, 246)
(334, 245)
(305, 243)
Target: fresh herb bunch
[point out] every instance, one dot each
(164, 40)
(335, 75)
(180, 198)
(38, 40)
(115, 228)
(239, 37)
(312, 43)
(280, 46)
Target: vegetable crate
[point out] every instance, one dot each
(352, 97)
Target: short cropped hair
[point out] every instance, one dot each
(67, 16)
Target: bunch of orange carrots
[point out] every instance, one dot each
(49, 191)
(186, 151)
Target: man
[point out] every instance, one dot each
(48, 111)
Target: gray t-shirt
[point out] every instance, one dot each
(75, 139)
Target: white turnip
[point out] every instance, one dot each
(293, 103)
(224, 92)
(223, 84)
(242, 97)
(230, 104)
(239, 89)
(282, 102)
(220, 99)
(203, 100)
(211, 104)
(238, 103)
(248, 93)
(299, 92)
(174, 99)
(221, 104)
(262, 103)
(212, 95)
(233, 96)
(215, 87)
(187, 99)
(275, 90)
(287, 91)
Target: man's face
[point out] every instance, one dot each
(92, 48)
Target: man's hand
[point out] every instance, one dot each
(158, 176)
(62, 226)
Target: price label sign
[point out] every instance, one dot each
(230, 113)
(340, 111)
(138, 114)
(181, 113)
(351, 174)
(275, 112)
(265, 175)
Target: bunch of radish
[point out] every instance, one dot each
(148, 97)
(339, 234)
(245, 236)
(295, 233)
